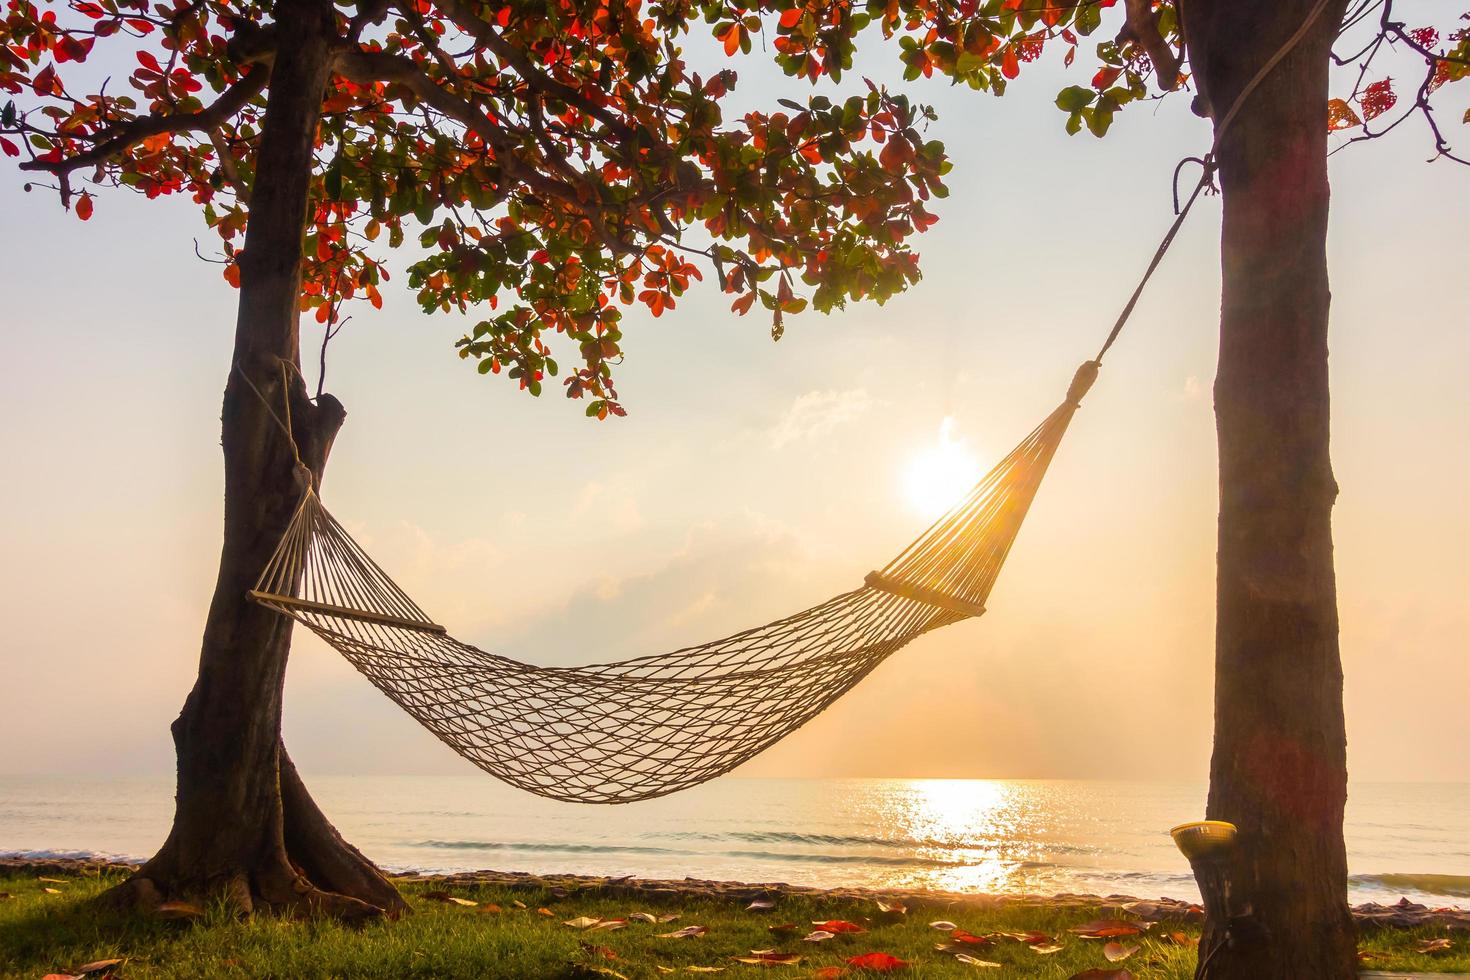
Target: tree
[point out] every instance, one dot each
(560, 160)
(578, 201)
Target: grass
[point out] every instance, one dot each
(43, 933)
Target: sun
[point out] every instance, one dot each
(941, 473)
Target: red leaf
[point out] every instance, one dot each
(790, 18)
(1105, 76)
(148, 61)
(1010, 65)
(835, 925)
(11, 150)
(84, 206)
(1378, 98)
(46, 83)
(878, 962)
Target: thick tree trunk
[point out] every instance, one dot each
(1279, 770)
(244, 825)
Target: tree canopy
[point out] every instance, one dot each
(561, 161)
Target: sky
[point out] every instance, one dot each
(752, 479)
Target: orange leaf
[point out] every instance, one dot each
(839, 925)
(877, 962)
(1340, 115)
(84, 206)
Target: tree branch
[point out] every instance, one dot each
(115, 140)
(1143, 28)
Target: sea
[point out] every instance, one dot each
(974, 835)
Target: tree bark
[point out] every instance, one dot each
(1279, 769)
(244, 825)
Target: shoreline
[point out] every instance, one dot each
(1403, 914)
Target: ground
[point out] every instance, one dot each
(517, 929)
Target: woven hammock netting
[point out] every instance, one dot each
(634, 730)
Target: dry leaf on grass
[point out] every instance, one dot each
(878, 962)
(179, 910)
(51, 891)
(1106, 929)
(543, 910)
(969, 938)
(582, 922)
(818, 936)
(969, 960)
(891, 906)
(688, 932)
(839, 925)
(1116, 952)
(648, 917)
(490, 907)
(783, 928)
(600, 952)
(761, 905)
(669, 917)
(1181, 939)
(1434, 946)
(449, 899)
(54, 881)
(518, 904)
(768, 957)
(943, 926)
(97, 966)
(1047, 949)
(60, 976)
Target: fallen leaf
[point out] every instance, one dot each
(878, 962)
(1047, 950)
(517, 903)
(54, 881)
(5, 895)
(582, 922)
(60, 976)
(1098, 974)
(943, 926)
(490, 907)
(607, 925)
(669, 917)
(449, 899)
(601, 952)
(891, 906)
(1029, 938)
(969, 960)
(839, 925)
(546, 912)
(1434, 946)
(1116, 952)
(969, 938)
(97, 966)
(704, 969)
(1106, 929)
(51, 891)
(761, 905)
(179, 910)
(688, 932)
(1181, 939)
(648, 917)
(768, 957)
(818, 936)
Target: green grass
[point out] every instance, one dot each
(44, 933)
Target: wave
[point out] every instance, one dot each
(1457, 886)
(485, 845)
(96, 857)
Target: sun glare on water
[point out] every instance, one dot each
(941, 472)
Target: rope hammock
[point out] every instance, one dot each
(618, 732)
(643, 728)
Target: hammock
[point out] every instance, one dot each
(619, 732)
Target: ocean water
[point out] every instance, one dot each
(1002, 836)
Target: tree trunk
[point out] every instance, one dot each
(1279, 770)
(244, 825)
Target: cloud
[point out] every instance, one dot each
(816, 413)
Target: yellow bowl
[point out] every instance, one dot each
(1204, 838)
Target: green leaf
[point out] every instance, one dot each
(1075, 98)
